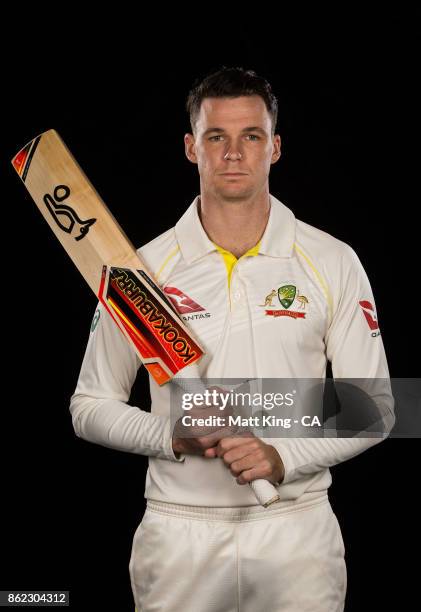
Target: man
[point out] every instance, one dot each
(204, 543)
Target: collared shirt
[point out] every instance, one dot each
(297, 299)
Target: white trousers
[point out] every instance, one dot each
(286, 558)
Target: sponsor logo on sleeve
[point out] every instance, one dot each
(371, 317)
(95, 319)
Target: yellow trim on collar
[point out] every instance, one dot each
(231, 260)
(167, 259)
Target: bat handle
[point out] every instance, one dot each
(265, 492)
(189, 380)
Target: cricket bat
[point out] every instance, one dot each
(110, 265)
(105, 256)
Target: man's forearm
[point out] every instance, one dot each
(117, 425)
(303, 456)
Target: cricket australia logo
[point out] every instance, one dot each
(64, 215)
(288, 295)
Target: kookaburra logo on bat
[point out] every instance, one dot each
(65, 216)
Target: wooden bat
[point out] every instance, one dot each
(110, 264)
(92, 237)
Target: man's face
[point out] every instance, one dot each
(233, 147)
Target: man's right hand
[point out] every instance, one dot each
(197, 446)
(195, 439)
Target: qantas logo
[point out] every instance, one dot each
(182, 302)
(185, 305)
(371, 316)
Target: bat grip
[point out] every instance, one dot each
(265, 492)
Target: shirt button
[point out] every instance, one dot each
(237, 296)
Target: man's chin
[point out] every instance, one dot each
(235, 195)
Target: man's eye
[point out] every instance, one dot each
(253, 137)
(215, 138)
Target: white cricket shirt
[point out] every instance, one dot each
(235, 311)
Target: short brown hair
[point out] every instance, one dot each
(231, 83)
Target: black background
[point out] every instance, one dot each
(114, 87)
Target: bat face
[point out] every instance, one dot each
(72, 207)
(93, 239)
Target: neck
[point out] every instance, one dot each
(236, 226)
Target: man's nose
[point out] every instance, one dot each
(232, 155)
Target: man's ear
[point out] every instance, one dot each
(276, 154)
(190, 148)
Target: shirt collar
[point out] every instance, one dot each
(279, 236)
(277, 240)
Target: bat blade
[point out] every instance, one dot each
(93, 239)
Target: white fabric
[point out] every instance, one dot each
(289, 558)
